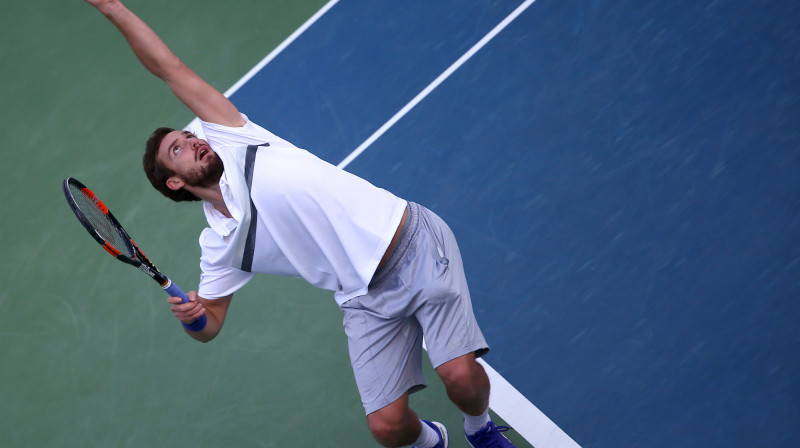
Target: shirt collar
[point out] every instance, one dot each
(218, 222)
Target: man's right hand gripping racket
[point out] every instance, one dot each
(107, 231)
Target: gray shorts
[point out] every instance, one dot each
(421, 290)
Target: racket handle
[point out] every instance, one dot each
(174, 291)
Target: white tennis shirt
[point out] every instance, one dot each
(299, 217)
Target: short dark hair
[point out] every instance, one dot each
(157, 173)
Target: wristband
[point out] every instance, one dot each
(197, 325)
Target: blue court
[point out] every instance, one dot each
(622, 178)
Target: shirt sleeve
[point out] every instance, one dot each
(216, 279)
(249, 134)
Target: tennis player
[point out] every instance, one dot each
(273, 208)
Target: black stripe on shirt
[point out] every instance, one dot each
(250, 241)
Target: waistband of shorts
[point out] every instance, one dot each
(404, 241)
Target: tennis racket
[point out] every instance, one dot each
(106, 230)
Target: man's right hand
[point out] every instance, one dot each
(214, 310)
(187, 312)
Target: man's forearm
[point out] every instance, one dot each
(145, 43)
(200, 97)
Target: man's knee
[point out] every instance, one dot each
(466, 383)
(394, 425)
(463, 373)
(387, 432)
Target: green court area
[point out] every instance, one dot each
(90, 354)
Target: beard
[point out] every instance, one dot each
(208, 175)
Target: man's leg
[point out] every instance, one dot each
(395, 424)
(386, 355)
(466, 383)
(468, 387)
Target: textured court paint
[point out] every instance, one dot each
(645, 258)
(195, 125)
(274, 53)
(433, 85)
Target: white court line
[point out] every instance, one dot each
(526, 419)
(194, 125)
(506, 401)
(445, 74)
(281, 47)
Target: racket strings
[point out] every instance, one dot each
(99, 220)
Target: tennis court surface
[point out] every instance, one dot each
(622, 178)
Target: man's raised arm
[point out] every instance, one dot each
(200, 97)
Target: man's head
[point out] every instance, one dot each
(174, 160)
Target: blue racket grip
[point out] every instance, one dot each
(174, 291)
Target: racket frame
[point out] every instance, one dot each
(130, 254)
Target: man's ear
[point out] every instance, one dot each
(175, 183)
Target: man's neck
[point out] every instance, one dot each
(212, 194)
(222, 208)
